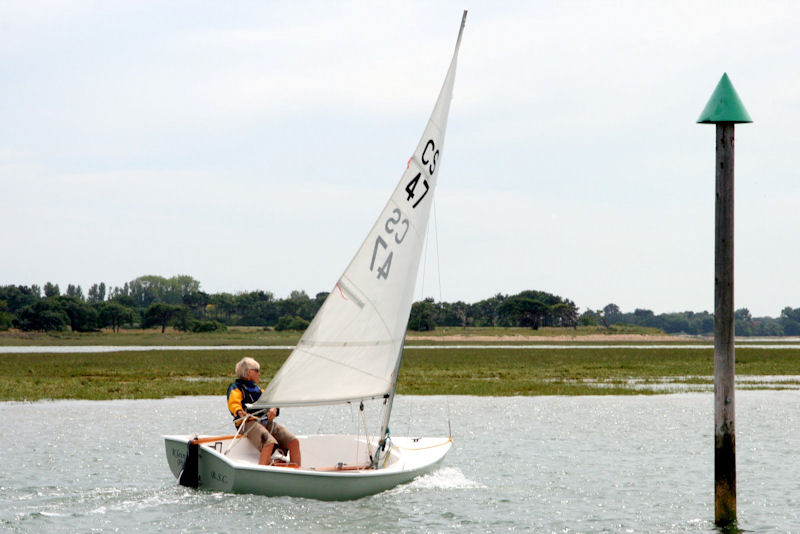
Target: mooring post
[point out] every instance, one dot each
(724, 109)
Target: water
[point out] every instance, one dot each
(541, 464)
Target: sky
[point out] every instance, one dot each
(251, 145)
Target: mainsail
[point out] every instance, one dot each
(352, 348)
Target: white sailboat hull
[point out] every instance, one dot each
(329, 472)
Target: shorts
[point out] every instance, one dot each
(259, 435)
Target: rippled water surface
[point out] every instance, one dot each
(542, 464)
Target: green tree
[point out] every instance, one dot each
(43, 316)
(297, 303)
(422, 316)
(487, 312)
(208, 326)
(790, 320)
(451, 314)
(51, 290)
(524, 311)
(97, 293)
(115, 315)
(182, 319)
(565, 313)
(162, 314)
(588, 318)
(17, 297)
(258, 308)
(743, 322)
(82, 316)
(225, 304)
(197, 301)
(5, 318)
(124, 300)
(289, 322)
(75, 291)
(145, 290)
(180, 286)
(611, 313)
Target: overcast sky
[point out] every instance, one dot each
(252, 144)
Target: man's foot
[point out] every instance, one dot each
(278, 457)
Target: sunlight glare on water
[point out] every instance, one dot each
(543, 464)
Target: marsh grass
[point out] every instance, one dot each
(167, 373)
(152, 337)
(242, 335)
(543, 333)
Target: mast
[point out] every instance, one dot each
(382, 449)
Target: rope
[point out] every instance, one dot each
(449, 428)
(240, 428)
(424, 264)
(410, 416)
(438, 263)
(366, 432)
(324, 418)
(442, 444)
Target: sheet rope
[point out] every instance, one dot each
(442, 444)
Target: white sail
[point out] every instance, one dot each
(351, 350)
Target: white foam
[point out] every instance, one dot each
(446, 478)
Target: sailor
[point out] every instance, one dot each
(263, 433)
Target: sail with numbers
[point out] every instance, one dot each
(352, 348)
(350, 352)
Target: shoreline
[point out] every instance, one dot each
(549, 339)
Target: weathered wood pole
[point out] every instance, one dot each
(724, 358)
(724, 109)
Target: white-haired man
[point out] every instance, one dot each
(263, 433)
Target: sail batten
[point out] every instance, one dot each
(352, 348)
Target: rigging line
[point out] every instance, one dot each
(366, 432)
(424, 263)
(324, 418)
(219, 430)
(424, 268)
(449, 440)
(449, 426)
(436, 234)
(410, 411)
(358, 442)
(353, 419)
(234, 441)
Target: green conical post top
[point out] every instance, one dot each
(724, 105)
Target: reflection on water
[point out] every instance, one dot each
(542, 464)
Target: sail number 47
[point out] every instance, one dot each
(428, 158)
(412, 185)
(397, 222)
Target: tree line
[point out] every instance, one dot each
(155, 301)
(528, 308)
(696, 323)
(150, 301)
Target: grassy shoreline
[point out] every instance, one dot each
(460, 371)
(257, 336)
(608, 367)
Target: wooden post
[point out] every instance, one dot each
(724, 109)
(724, 373)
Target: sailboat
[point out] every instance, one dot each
(350, 353)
